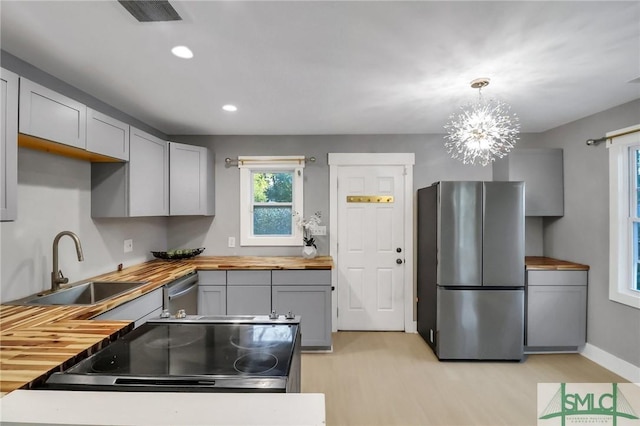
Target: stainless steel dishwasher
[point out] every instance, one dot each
(182, 294)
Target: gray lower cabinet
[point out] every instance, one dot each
(248, 292)
(308, 294)
(556, 310)
(212, 292)
(139, 310)
(9, 146)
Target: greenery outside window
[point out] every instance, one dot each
(271, 191)
(624, 215)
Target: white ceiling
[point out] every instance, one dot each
(321, 67)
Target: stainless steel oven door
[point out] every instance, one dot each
(182, 294)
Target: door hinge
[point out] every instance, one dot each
(337, 312)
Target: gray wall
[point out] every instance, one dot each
(582, 234)
(25, 69)
(432, 164)
(54, 194)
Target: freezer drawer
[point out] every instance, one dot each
(480, 324)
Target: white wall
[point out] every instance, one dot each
(54, 194)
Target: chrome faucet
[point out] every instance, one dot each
(56, 274)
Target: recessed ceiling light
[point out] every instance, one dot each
(182, 52)
(230, 108)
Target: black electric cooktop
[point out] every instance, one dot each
(186, 349)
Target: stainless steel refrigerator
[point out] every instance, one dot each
(471, 269)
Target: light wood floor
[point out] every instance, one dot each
(392, 378)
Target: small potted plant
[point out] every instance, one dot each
(309, 249)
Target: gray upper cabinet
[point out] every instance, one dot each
(107, 136)
(149, 176)
(137, 188)
(9, 146)
(191, 180)
(542, 172)
(49, 115)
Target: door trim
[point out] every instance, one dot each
(337, 160)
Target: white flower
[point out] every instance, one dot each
(307, 226)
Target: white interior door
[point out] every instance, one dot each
(371, 247)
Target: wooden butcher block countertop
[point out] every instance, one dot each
(38, 340)
(537, 263)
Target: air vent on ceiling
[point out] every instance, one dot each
(151, 11)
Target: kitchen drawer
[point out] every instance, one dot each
(306, 277)
(136, 309)
(150, 316)
(248, 277)
(556, 278)
(212, 277)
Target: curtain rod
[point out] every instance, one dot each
(234, 161)
(595, 142)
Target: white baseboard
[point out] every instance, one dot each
(612, 363)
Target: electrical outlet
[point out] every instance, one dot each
(232, 241)
(319, 230)
(128, 246)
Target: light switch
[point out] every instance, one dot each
(232, 241)
(319, 230)
(128, 246)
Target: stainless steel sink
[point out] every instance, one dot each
(87, 293)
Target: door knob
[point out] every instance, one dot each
(399, 261)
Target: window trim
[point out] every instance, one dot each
(247, 166)
(620, 144)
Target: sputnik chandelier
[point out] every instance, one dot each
(481, 131)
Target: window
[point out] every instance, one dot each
(634, 217)
(624, 216)
(270, 194)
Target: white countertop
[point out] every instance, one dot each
(161, 408)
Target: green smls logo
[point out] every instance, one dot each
(565, 404)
